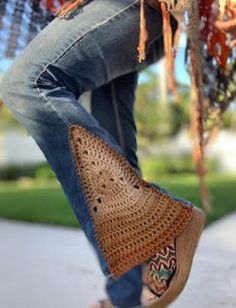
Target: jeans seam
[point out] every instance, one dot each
(117, 116)
(66, 122)
(49, 103)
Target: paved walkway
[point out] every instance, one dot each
(52, 267)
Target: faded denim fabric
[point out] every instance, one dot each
(94, 50)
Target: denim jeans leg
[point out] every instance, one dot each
(67, 58)
(113, 106)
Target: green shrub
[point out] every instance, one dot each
(153, 167)
(44, 172)
(14, 172)
(36, 171)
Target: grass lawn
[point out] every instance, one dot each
(46, 203)
(35, 202)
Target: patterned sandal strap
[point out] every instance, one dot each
(159, 270)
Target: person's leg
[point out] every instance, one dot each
(113, 106)
(67, 58)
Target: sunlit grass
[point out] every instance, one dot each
(45, 202)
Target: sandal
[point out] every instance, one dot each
(159, 270)
(164, 291)
(165, 274)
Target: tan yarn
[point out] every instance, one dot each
(132, 219)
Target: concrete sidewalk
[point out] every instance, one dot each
(53, 267)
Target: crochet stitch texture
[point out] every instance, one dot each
(132, 219)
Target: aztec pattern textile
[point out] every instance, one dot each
(132, 219)
(21, 20)
(159, 270)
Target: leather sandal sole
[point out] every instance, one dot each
(186, 244)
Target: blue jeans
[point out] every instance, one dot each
(94, 50)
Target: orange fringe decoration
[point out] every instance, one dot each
(229, 25)
(1, 105)
(168, 39)
(169, 50)
(213, 37)
(50, 5)
(197, 128)
(143, 33)
(69, 6)
(216, 42)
